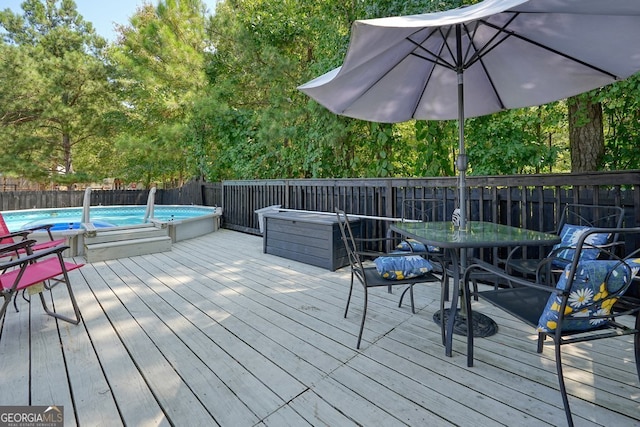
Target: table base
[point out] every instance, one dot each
(483, 326)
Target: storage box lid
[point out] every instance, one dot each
(316, 218)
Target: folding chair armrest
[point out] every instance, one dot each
(33, 256)
(21, 233)
(17, 246)
(46, 227)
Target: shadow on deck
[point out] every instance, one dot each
(217, 333)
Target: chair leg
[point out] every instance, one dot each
(444, 295)
(563, 390)
(413, 305)
(349, 297)
(74, 304)
(15, 301)
(636, 344)
(410, 289)
(541, 338)
(7, 300)
(364, 317)
(467, 302)
(445, 283)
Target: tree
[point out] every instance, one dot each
(53, 90)
(160, 59)
(183, 94)
(515, 141)
(621, 121)
(586, 135)
(263, 50)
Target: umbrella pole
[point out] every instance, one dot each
(461, 162)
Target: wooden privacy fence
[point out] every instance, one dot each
(194, 193)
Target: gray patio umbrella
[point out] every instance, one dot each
(480, 59)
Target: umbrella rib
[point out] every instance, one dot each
(509, 33)
(435, 60)
(442, 63)
(478, 55)
(433, 57)
(491, 44)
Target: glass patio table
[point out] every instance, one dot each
(477, 234)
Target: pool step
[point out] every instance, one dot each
(129, 232)
(123, 242)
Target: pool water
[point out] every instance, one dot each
(100, 216)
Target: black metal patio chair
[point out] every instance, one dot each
(574, 220)
(587, 303)
(371, 277)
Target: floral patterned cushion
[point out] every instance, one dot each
(402, 267)
(415, 246)
(570, 234)
(589, 294)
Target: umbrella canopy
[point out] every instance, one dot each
(480, 59)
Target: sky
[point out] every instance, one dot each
(102, 13)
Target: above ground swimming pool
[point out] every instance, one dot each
(100, 216)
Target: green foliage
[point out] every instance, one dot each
(621, 109)
(434, 140)
(53, 90)
(160, 63)
(515, 141)
(184, 94)
(264, 49)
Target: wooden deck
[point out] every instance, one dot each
(217, 333)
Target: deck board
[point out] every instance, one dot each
(128, 388)
(215, 332)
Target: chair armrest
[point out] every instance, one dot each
(390, 254)
(513, 252)
(31, 256)
(604, 250)
(17, 246)
(360, 241)
(500, 273)
(510, 257)
(626, 305)
(46, 227)
(21, 233)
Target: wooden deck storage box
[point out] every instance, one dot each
(307, 237)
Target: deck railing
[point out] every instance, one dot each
(530, 201)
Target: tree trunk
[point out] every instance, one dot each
(66, 146)
(586, 135)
